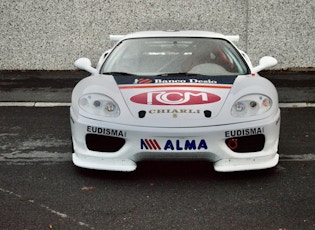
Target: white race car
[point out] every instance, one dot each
(175, 95)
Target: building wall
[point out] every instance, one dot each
(52, 34)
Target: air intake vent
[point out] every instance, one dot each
(102, 143)
(254, 143)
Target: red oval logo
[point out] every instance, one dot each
(175, 97)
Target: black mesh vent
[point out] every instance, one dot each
(102, 143)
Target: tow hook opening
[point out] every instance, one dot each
(232, 143)
(253, 143)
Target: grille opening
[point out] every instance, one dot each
(254, 143)
(102, 143)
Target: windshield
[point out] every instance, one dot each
(166, 56)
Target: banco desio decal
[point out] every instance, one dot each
(175, 97)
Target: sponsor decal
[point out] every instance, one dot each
(143, 81)
(181, 78)
(244, 132)
(173, 145)
(163, 81)
(150, 144)
(174, 111)
(175, 97)
(105, 131)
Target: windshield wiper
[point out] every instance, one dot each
(118, 73)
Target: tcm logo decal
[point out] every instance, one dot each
(178, 145)
(175, 97)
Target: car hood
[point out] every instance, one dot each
(156, 99)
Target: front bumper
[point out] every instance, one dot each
(139, 143)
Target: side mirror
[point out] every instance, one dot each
(264, 63)
(85, 64)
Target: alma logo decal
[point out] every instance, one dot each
(175, 97)
(178, 145)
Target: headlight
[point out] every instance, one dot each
(99, 104)
(251, 105)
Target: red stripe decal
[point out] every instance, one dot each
(168, 86)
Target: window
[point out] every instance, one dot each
(158, 56)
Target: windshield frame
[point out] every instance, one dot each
(229, 46)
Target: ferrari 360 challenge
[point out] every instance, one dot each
(175, 95)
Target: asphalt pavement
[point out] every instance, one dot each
(40, 188)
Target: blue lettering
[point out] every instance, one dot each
(190, 145)
(178, 145)
(169, 145)
(202, 144)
